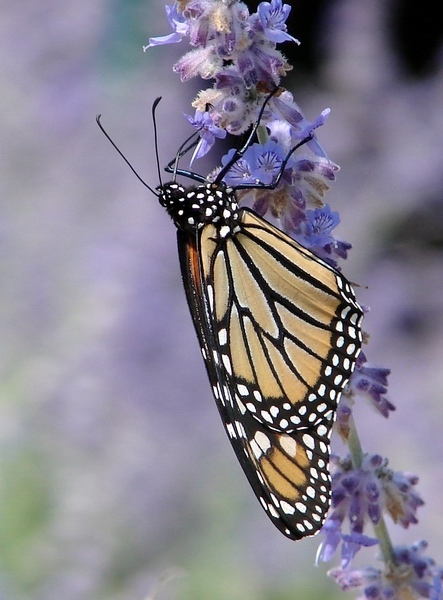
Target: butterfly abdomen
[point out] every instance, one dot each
(192, 207)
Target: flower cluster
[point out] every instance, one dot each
(231, 46)
(237, 51)
(414, 576)
(362, 495)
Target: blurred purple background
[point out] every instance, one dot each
(114, 467)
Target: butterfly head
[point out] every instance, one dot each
(192, 207)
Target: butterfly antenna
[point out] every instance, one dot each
(124, 157)
(154, 121)
(181, 152)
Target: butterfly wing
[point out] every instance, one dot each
(279, 332)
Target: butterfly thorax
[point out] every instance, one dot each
(192, 207)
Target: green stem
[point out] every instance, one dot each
(262, 134)
(354, 445)
(386, 548)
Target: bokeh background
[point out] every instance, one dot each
(116, 480)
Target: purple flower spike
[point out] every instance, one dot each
(236, 50)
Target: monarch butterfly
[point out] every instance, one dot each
(279, 330)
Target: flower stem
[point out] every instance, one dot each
(354, 444)
(262, 135)
(386, 548)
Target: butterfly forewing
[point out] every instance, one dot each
(291, 323)
(279, 334)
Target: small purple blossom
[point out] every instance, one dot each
(240, 173)
(333, 536)
(401, 499)
(311, 177)
(436, 591)
(315, 233)
(259, 164)
(177, 22)
(349, 579)
(273, 18)
(208, 133)
(351, 543)
(302, 128)
(267, 161)
(339, 248)
(316, 230)
(218, 24)
(371, 382)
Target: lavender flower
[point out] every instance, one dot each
(273, 19)
(260, 164)
(317, 228)
(371, 382)
(237, 51)
(208, 132)
(177, 22)
(350, 543)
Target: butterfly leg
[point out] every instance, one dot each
(240, 152)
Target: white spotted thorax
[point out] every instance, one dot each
(192, 207)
